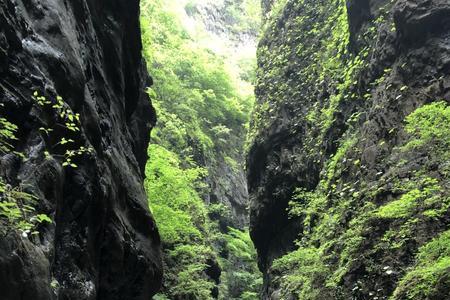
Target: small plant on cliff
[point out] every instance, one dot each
(304, 273)
(7, 130)
(17, 210)
(17, 207)
(67, 120)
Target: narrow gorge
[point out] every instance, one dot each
(225, 149)
(202, 56)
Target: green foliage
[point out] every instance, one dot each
(326, 60)
(7, 134)
(431, 271)
(202, 116)
(190, 280)
(239, 245)
(308, 205)
(160, 297)
(241, 278)
(200, 109)
(17, 211)
(175, 200)
(333, 167)
(187, 233)
(17, 206)
(428, 191)
(218, 210)
(68, 120)
(242, 16)
(429, 127)
(276, 9)
(250, 295)
(247, 16)
(373, 208)
(178, 208)
(421, 199)
(306, 273)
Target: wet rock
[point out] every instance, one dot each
(416, 20)
(103, 243)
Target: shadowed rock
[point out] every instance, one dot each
(103, 243)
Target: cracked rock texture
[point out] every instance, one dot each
(103, 243)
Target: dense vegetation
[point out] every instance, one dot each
(202, 117)
(423, 200)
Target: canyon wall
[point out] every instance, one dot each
(73, 80)
(348, 170)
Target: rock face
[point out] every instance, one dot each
(218, 20)
(103, 243)
(336, 82)
(229, 187)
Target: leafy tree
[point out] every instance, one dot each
(175, 201)
(242, 279)
(181, 215)
(202, 118)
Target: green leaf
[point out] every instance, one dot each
(43, 218)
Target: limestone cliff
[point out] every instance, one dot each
(103, 242)
(348, 171)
